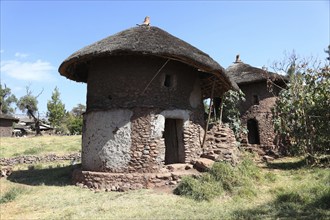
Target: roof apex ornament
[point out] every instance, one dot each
(238, 60)
(146, 22)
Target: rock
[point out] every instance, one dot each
(203, 164)
(6, 171)
(164, 176)
(272, 153)
(213, 157)
(188, 167)
(267, 158)
(173, 183)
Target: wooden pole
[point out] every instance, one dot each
(221, 109)
(155, 75)
(209, 115)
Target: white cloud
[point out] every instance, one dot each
(2, 51)
(31, 71)
(21, 55)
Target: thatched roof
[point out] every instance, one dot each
(145, 40)
(243, 73)
(8, 117)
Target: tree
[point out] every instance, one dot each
(78, 110)
(74, 119)
(230, 111)
(56, 109)
(328, 52)
(301, 115)
(6, 99)
(29, 104)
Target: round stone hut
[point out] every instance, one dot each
(145, 91)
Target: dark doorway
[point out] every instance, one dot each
(173, 134)
(253, 131)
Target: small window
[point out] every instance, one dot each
(168, 81)
(255, 99)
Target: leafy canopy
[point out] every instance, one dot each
(56, 109)
(302, 114)
(6, 99)
(231, 114)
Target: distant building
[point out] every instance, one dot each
(256, 111)
(6, 125)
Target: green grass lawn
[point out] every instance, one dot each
(32, 145)
(286, 189)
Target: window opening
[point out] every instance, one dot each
(255, 99)
(168, 81)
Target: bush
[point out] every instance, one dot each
(11, 195)
(205, 188)
(221, 177)
(226, 175)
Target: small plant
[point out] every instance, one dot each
(271, 177)
(11, 194)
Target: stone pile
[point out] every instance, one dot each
(38, 159)
(221, 145)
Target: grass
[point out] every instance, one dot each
(12, 147)
(284, 189)
(11, 194)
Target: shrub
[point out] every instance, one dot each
(203, 188)
(226, 175)
(11, 194)
(221, 177)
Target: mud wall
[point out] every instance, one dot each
(250, 90)
(263, 115)
(6, 128)
(133, 81)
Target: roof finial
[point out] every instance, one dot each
(237, 59)
(146, 22)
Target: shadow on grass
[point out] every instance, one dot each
(59, 176)
(292, 165)
(289, 206)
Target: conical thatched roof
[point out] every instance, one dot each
(145, 40)
(8, 117)
(243, 73)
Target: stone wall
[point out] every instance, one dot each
(121, 140)
(220, 145)
(38, 159)
(263, 115)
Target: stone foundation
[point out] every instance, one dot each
(170, 175)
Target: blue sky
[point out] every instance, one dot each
(36, 36)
